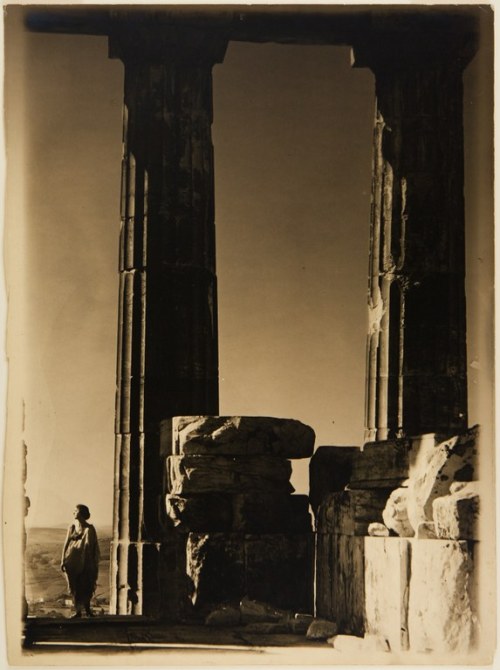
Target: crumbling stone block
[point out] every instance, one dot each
(187, 475)
(383, 464)
(240, 436)
(351, 512)
(456, 515)
(270, 568)
(330, 470)
(441, 618)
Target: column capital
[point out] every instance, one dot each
(401, 41)
(162, 37)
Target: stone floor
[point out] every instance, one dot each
(184, 644)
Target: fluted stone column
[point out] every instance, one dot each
(416, 350)
(167, 331)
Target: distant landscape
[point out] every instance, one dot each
(46, 588)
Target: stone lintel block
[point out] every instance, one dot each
(456, 516)
(387, 582)
(273, 568)
(260, 512)
(239, 436)
(351, 512)
(441, 617)
(382, 464)
(435, 463)
(330, 470)
(191, 474)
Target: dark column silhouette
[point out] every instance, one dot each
(167, 331)
(416, 354)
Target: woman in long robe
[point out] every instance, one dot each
(80, 560)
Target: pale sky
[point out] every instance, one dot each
(292, 136)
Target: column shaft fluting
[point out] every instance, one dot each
(167, 331)
(416, 344)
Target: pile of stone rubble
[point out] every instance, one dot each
(229, 499)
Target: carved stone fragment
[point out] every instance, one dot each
(435, 464)
(240, 436)
(395, 513)
(456, 516)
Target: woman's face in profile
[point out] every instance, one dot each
(76, 513)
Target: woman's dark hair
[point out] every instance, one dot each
(84, 511)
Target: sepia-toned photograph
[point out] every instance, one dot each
(249, 283)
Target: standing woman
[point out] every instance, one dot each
(80, 560)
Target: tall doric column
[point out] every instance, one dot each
(167, 331)
(416, 353)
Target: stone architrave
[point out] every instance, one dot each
(387, 584)
(441, 617)
(435, 463)
(188, 475)
(456, 516)
(239, 436)
(330, 470)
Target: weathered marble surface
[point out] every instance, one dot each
(456, 515)
(441, 616)
(212, 474)
(383, 464)
(330, 470)
(240, 436)
(387, 580)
